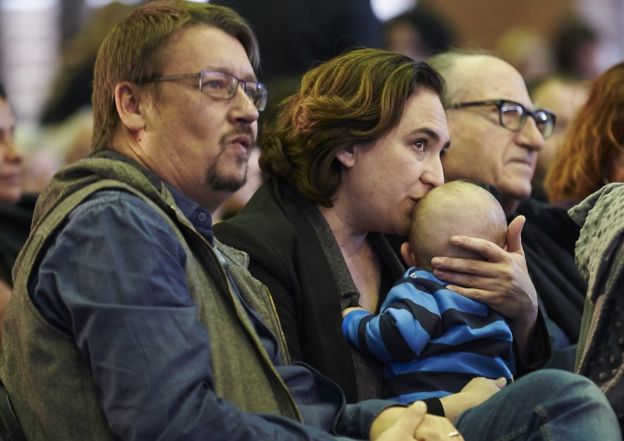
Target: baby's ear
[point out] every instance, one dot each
(407, 254)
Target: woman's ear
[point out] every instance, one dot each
(127, 102)
(347, 156)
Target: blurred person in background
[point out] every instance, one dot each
(564, 97)
(15, 208)
(299, 34)
(64, 135)
(72, 86)
(10, 158)
(418, 33)
(575, 48)
(526, 50)
(497, 134)
(592, 153)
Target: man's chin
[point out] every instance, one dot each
(524, 193)
(516, 189)
(231, 184)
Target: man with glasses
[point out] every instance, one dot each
(129, 321)
(513, 115)
(496, 136)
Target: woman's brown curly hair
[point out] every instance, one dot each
(352, 99)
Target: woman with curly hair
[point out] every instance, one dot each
(592, 153)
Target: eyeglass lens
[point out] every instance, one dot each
(222, 85)
(513, 116)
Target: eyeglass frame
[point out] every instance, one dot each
(523, 118)
(200, 75)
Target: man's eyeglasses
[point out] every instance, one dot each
(221, 85)
(513, 115)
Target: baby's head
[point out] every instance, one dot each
(455, 208)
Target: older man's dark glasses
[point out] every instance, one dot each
(513, 115)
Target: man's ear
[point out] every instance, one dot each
(407, 254)
(127, 101)
(347, 156)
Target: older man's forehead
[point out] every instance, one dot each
(492, 78)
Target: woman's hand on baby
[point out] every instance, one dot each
(501, 280)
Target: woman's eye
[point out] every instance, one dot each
(420, 145)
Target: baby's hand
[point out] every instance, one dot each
(348, 310)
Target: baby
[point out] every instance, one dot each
(432, 340)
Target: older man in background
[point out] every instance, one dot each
(497, 136)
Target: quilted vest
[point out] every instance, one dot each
(43, 370)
